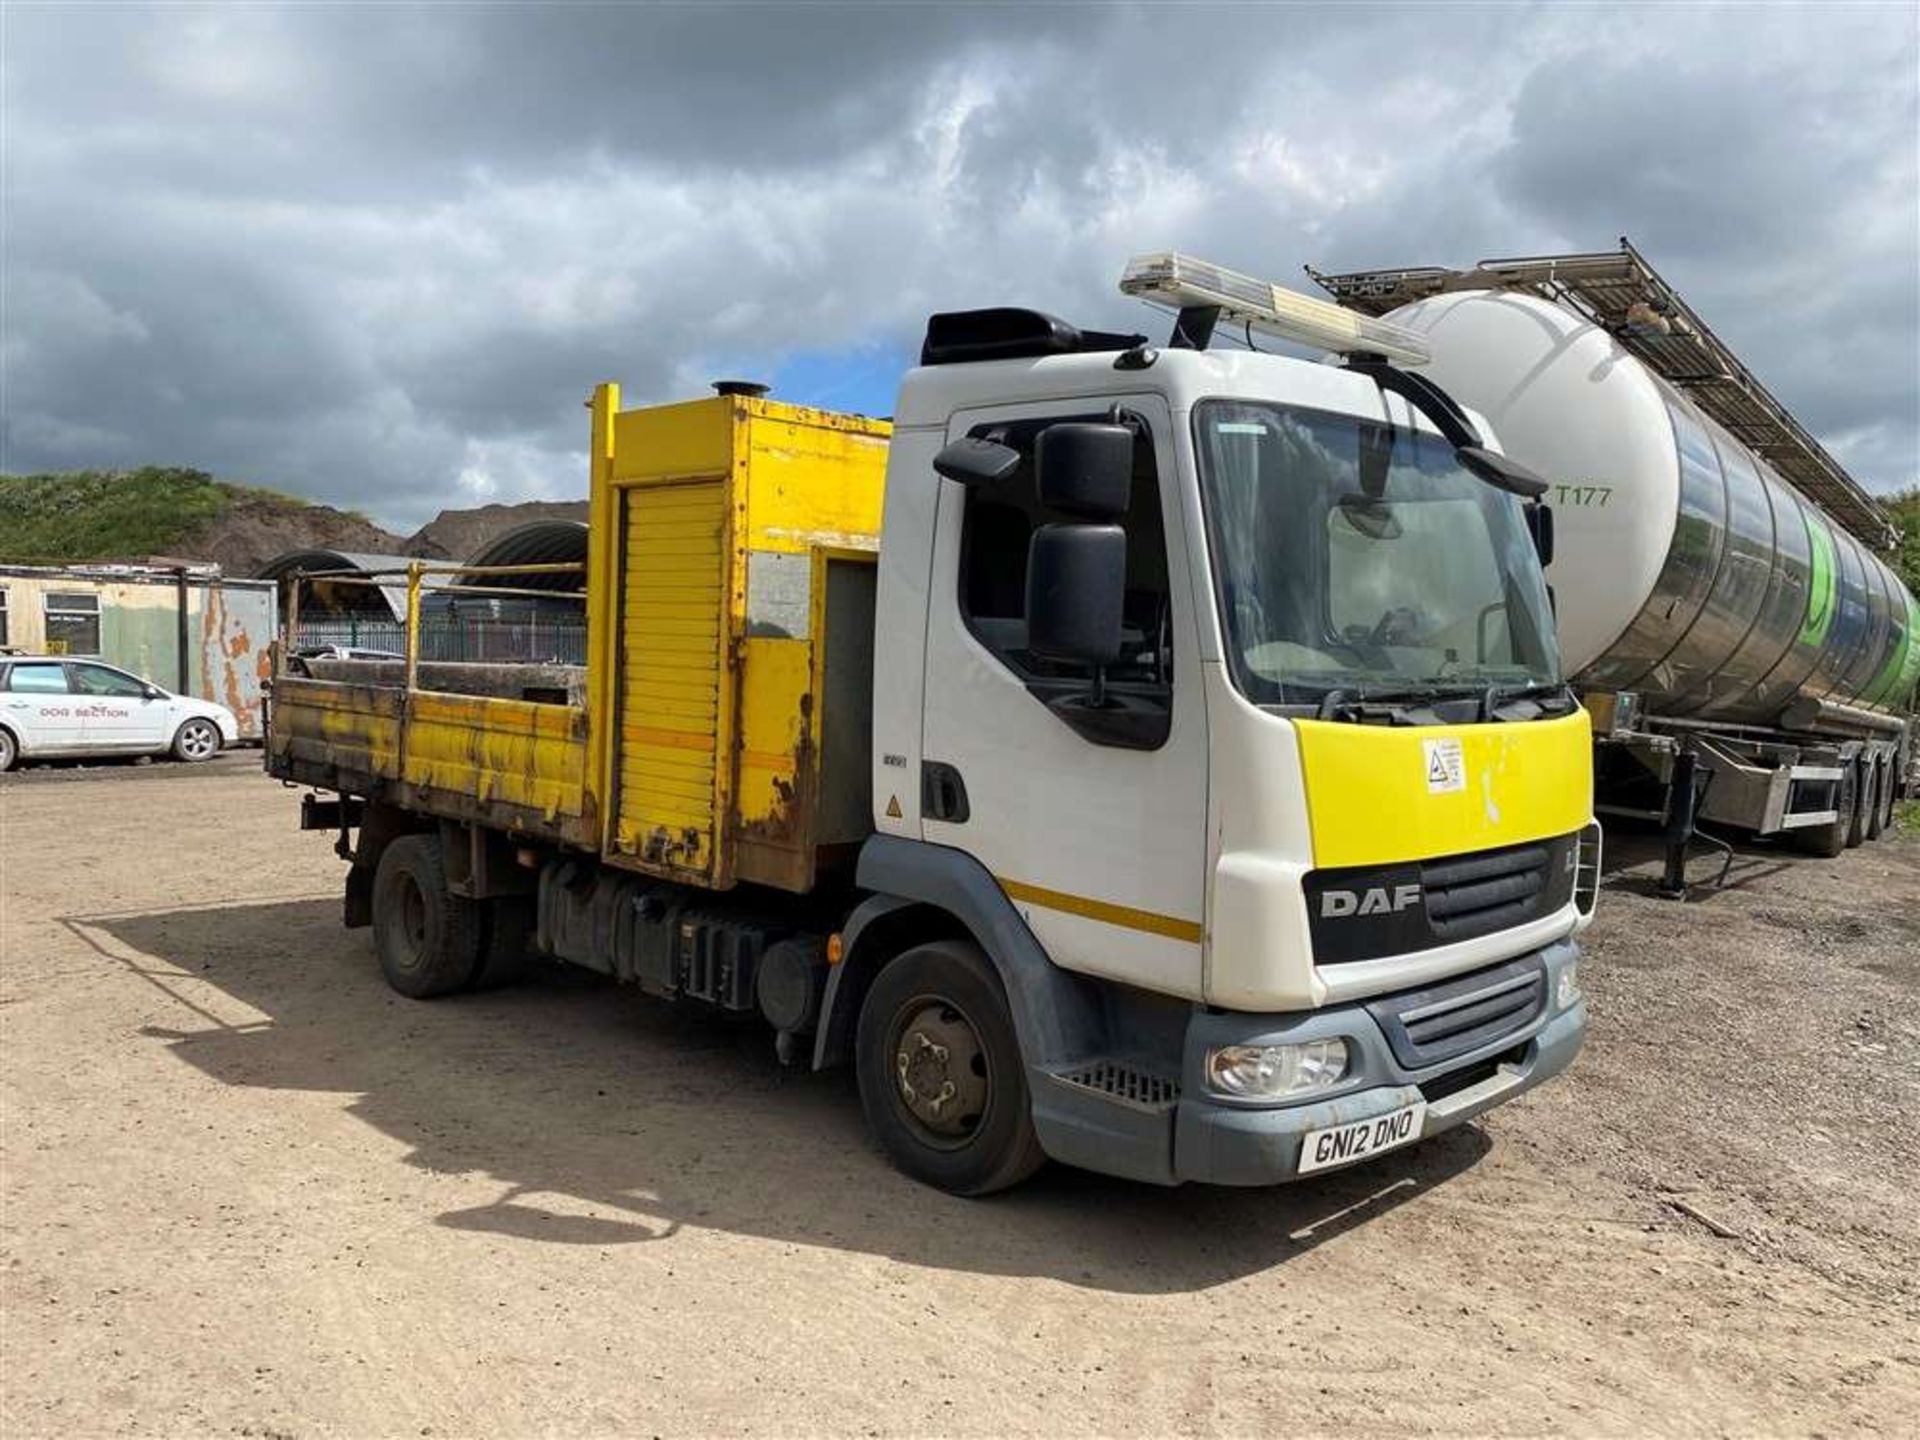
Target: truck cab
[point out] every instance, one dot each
(1313, 856)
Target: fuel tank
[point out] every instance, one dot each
(1685, 568)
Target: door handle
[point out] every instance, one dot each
(943, 794)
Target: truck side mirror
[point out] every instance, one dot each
(1076, 592)
(1085, 469)
(972, 460)
(1540, 527)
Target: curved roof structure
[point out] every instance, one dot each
(390, 594)
(541, 542)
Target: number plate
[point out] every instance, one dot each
(1343, 1144)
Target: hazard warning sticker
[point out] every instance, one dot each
(1446, 766)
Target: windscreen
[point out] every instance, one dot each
(1358, 556)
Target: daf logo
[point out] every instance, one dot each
(1338, 904)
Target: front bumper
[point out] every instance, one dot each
(1229, 1142)
(1223, 1141)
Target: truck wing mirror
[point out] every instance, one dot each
(1076, 592)
(972, 460)
(1085, 469)
(1501, 472)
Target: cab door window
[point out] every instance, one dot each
(997, 528)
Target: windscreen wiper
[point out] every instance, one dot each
(1494, 696)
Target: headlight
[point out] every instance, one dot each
(1568, 990)
(1276, 1072)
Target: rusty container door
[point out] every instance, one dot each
(230, 627)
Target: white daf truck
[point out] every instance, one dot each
(1178, 781)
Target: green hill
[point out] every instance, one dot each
(76, 516)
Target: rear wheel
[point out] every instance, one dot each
(1862, 796)
(196, 740)
(941, 1078)
(9, 750)
(429, 940)
(1827, 841)
(509, 943)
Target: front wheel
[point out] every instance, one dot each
(941, 1078)
(196, 740)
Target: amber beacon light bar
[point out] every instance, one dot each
(1184, 283)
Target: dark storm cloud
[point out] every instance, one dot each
(379, 255)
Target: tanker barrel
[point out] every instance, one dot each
(1687, 569)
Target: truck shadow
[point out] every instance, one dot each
(608, 1118)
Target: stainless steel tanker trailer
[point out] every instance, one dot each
(1746, 655)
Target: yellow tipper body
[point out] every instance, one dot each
(720, 734)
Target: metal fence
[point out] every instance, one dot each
(554, 639)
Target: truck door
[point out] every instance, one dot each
(39, 707)
(1101, 845)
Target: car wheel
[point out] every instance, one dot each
(429, 939)
(940, 1072)
(9, 750)
(196, 740)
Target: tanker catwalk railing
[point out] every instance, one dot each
(441, 624)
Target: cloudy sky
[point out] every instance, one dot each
(378, 256)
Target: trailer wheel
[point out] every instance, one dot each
(1862, 797)
(940, 1072)
(1828, 841)
(1876, 799)
(429, 939)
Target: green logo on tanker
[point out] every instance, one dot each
(1820, 593)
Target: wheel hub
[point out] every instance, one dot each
(940, 1067)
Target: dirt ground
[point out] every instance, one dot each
(248, 1191)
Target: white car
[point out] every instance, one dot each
(66, 706)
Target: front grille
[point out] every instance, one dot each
(1434, 1025)
(1479, 894)
(1467, 1076)
(1118, 1080)
(1364, 912)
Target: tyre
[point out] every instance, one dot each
(509, 943)
(1828, 841)
(196, 740)
(941, 1078)
(1876, 800)
(1856, 816)
(429, 940)
(9, 751)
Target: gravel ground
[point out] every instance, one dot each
(247, 1191)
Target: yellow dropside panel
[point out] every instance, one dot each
(510, 752)
(672, 669)
(1378, 794)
